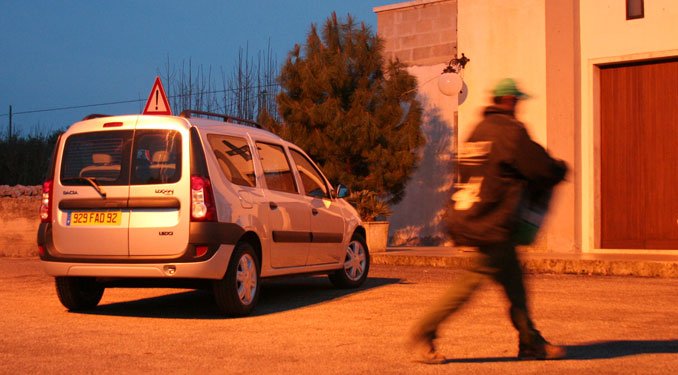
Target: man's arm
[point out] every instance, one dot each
(535, 164)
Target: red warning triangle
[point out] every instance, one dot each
(157, 103)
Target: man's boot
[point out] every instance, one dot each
(541, 349)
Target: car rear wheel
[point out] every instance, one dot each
(237, 292)
(78, 293)
(356, 264)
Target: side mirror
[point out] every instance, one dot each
(342, 191)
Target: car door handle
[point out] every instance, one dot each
(273, 205)
(314, 211)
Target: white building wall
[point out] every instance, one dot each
(503, 38)
(608, 37)
(508, 38)
(417, 219)
(422, 34)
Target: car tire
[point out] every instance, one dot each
(78, 293)
(356, 265)
(236, 294)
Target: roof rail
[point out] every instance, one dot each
(94, 115)
(188, 113)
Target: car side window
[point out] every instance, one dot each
(234, 157)
(311, 179)
(277, 170)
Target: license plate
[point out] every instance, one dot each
(89, 218)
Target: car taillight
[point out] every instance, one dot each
(46, 204)
(202, 200)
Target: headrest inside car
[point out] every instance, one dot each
(160, 157)
(101, 159)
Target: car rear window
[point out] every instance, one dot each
(157, 157)
(234, 157)
(107, 158)
(98, 155)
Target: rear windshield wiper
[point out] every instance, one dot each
(90, 180)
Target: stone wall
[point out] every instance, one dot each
(19, 225)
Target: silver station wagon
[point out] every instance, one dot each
(196, 199)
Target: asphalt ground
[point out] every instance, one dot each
(610, 325)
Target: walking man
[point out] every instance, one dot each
(502, 171)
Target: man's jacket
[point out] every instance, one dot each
(501, 169)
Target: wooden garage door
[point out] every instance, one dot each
(639, 155)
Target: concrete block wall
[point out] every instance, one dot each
(420, 32)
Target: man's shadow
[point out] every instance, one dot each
(597, 350)
(622, 348)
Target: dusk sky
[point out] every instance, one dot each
(56, 54)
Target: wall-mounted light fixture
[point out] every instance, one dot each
(450, 82)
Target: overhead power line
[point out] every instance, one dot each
(125, 101)
(72, 107)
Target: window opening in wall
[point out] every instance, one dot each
(635, 9)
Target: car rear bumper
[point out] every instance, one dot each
(212, 268)
(217, 241)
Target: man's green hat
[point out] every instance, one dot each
(508, 87)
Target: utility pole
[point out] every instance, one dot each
(10, 122)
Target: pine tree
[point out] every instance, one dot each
(356, 116)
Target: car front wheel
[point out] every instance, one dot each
(237, 292)
(356, 264)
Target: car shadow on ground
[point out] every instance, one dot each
(597, 350)
(277, 295)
